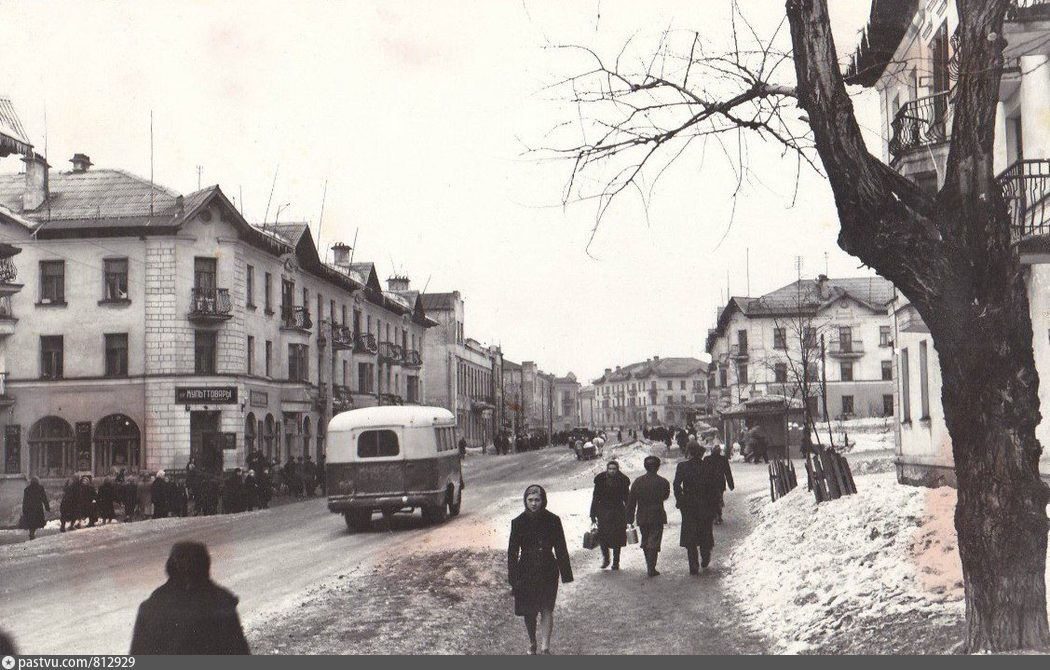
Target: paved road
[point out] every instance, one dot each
(78, 592)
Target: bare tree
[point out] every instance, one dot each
(949, 252)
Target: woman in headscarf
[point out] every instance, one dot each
(67, 507)
(34, 503)
(536, 556)
(609, 511)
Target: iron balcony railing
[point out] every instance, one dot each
(8, 271)
(365, 343)
(390, 352)
(922, 122)
(413, 359)
(1026, 187)
(296, 317)
(1028, 10)
(342, 398)
(211, 303)
(342, 337)
(846, 348)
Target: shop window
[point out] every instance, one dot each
(847, 405)
(51, 448)
(117, 445)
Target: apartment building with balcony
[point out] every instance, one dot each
(910, 60)
(761, 346)
(464, 376)
(655, 392)
(154, 327)
(528, 398)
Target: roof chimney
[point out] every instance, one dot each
(341, 255)
(656, 358)
(608, 371)
(80, 162)
(822, 287)
(398, 283)
(36, 191)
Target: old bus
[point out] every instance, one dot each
(393, 459)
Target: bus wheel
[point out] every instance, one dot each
(454, 505)
(434, 514)
(358, 520)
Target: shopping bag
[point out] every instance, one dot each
(632, 535)
(590, 538)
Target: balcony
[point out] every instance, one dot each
(846, 348)
(390, 353)
(210, 305)
(413, 359)
(365, 343)
(921, 123)
(342, 399)
(739, 352)
(342, 338)
(1028, 10)
(1026, 186)
(296, 318)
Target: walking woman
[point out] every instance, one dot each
(34, 503)
(536, 557)
(609, 511)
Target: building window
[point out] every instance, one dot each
(723, 377)
(51, 448)
(268, 294)
(670, 385)
(887, 405)
(780, 373)
(885, 336)
(905, 388)
(51, 356)
(53, 282)
(779, 338)
(809, 337)
(298, 363)
(116, 279)
(741, 373)
(249, 286)
(846, 372)
(117, 445)
(887, 371)
(681, 385)
(251, 354)
(924, 381)
(269, 358)
(205, 272)
(365, 375)
(117, 355)
(204, 346)
(847, 405)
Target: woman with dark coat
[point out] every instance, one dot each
(536, 556)
(67, 507)
(86, 501)
(189, 614)
(159, 496)
(696, 493)
(34, 503)
(251, 491)
(107, 494)
(609, 511)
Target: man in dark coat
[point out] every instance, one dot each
(34, 503)
(158, 494)
(723, 476)
(107, 495)
(265, 487)
(86, 501)
(193, 485)
(696, 495)
(67, 507)
(309, 476)
(189, 614)
(251, 491)
(609, 511)
(233, 493)
(646, 505)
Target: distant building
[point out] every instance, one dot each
(759, 345)
(464, 376)
(566, 402)
(528, 397)
(655, 392)
(588, 406)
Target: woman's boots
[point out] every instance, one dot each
(605, 556)
(616, 558)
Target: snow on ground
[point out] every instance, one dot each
(807, 572)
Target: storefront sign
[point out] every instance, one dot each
(259, 398)
(12, 450)
(206, 395)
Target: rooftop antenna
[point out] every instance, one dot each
(320, 219)
(425, 286)
(200, 170)
(151, 165)
(240, 199)
(353, 247)
(826, 274)
(266, 215)
(747, 267)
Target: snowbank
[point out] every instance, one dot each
(805, 572)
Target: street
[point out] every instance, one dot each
(290, 566)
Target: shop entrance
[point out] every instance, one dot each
(205, 445)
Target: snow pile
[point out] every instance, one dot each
(873, 434)
(805, 572)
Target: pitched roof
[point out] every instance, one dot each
(887, 26)
(661, 367)
(13, 138)
(93, 198)
(438, 302)
(805, 294)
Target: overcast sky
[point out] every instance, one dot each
(418, 115)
